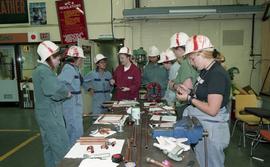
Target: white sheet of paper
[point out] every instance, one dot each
(97, 162)
(104, 123)
(147, 104)
(111, 132)
(155, 118)
(168, 108)
(166, 125)
(168, 118)
(77, 151)
(112, 118)
(128, 102)
(153, 109)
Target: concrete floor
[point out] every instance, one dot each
(20, 143)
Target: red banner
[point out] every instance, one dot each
(72, 21)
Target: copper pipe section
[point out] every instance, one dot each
(128, 152)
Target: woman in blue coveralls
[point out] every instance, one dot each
(209, 100)
(49, 94)
(73, 107)
(99, 82)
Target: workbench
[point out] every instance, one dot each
(141, 148)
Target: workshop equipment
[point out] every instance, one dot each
(188, 127)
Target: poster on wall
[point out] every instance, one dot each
(13, 11)
(38, 13)
(72, 21)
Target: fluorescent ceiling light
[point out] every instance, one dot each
(193, 11)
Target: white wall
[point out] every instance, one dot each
(146, 33)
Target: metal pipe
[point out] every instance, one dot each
(252, 32)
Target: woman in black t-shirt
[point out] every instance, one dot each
(208, 100)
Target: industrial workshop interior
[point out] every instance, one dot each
(134, 83)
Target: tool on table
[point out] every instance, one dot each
(146, 134)
(101, 156)
(128, 152)
(155, 162)
(117, 158)
(92, 140)
(130, 164)
(90, 149)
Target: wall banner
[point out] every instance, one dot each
(13, 11)
(72, 21)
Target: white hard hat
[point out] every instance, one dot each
(75, 51)
(99, 57)
(46, 49)
(153, 51)
(166, 56)
(197, 43)
(178, 39)
(125, 50)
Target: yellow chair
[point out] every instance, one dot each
(241, 102)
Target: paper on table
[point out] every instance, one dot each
(109, 121)
(128, 102)
(167, 125)
(111, 132)
(113, 118)
(97, 162)
(168, 108)
(147, 104)
(77, 151)
(153, 109)
(155, 118)
(168, 118)
(164, 118)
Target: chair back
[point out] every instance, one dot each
(242, 101)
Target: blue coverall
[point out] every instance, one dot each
(218, 136)
(49, 94)
(100, 85)
(169, 94)
(73, 107)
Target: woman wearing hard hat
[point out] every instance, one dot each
(153, 72)
(49, 94)
(168, 58)
(99, 82)
(73, 107)
(209, 99)
(127, 77)
(186, 74)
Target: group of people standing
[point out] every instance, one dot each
(188, 72)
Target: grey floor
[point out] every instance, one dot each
(20, 143)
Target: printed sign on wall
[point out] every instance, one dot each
(72, 21)
(13, 11)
